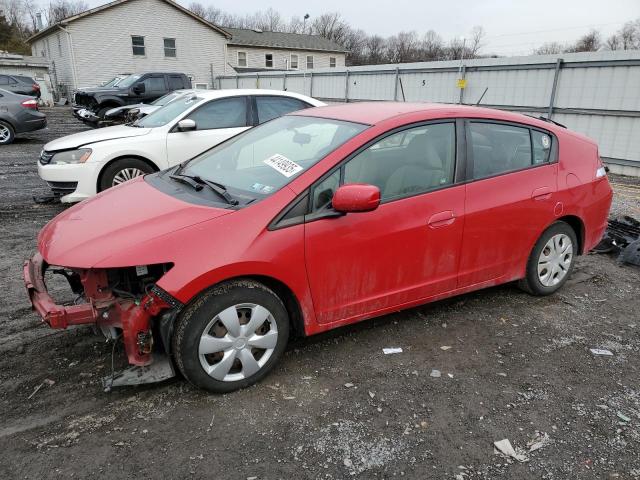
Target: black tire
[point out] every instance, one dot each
(102, 111)
(12, 133)
(531, 282)
(109, 173)
(191, 325)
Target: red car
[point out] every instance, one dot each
(319, 219)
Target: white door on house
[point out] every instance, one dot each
(216, 121)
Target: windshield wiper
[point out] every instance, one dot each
(188, 180)
(197, 183)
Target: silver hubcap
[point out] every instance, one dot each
(4, 134)
(126, 174)
(238, 342)
(555, 260)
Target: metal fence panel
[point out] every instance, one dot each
(595, 93)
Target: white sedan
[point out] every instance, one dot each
(80, 165)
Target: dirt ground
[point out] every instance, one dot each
(518, 368)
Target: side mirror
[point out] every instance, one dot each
(139, 88)
(186, 125)
(356, 197)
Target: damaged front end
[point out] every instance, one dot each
(123, 300)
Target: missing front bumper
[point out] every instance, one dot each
(101, 309)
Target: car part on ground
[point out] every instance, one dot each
(157, 141)
(623, 238)
(90, 105)
(219, 257)
(18, 114)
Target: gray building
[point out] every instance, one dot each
(34, 67)
(126, 36)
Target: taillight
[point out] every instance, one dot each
(31, 104)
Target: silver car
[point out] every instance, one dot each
(18, 114)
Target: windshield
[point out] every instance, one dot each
(128, 81)
(168, 98)
(265, 158)
(165, 114)
(112, 83)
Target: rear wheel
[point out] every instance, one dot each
(551, 261)
(231, 337)
(101, 112)
(123, 170)
(7, 134)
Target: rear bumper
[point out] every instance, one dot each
(30, 121)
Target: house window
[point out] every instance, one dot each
(59, 44)
(294, 61)
(201, 86)
(242, 59)
(137, 44)
(332, 62)
(169, 47)
(309, 61)
(268, 60)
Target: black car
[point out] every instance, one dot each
(90, 105)
(18, 114)
(20, 84)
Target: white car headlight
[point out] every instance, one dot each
(71, 156)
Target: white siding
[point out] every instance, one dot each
(59, 56)
(281, 58)
(102, 44)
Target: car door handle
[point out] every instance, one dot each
(541, 193)
(441, 219)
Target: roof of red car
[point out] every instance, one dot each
(371, 113)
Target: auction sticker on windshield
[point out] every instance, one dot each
(282, 164)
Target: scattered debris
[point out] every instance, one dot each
(503, 447)
(372, 395)
(445, 347)
(601, 351)
(435, 373)
(391, 350)
(450, 375)
(286, 397)
(623, 417)
(541, 440)
(502, 374)
(622, 237)
(46, 381)
(348, 385)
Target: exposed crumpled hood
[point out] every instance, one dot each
(92, 90)
(112, 227)
(96, 135)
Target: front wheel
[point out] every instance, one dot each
(231, 337)
(551, 260)
(123, 170)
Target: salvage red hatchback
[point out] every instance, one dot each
(320, 219)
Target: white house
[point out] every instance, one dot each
(127, 36)
(256, 50)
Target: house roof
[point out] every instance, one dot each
(297, 41)
(115, 3)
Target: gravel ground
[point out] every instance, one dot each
(511, 367)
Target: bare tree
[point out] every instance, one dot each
(60, 9)
(473, 46)
(331, 26)
(431, 46)
(403, 47)
(375, 50)
(589, 42)
(549, 49)
(613, 42)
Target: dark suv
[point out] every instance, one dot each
(91, 104)
(20, 84)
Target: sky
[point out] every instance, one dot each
(512, 27)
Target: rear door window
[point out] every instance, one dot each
(175, 82)
(541, 147)
(499, 148)
(270, 107)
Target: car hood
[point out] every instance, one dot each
(111, 229)
(92, 136)
(90, 91)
